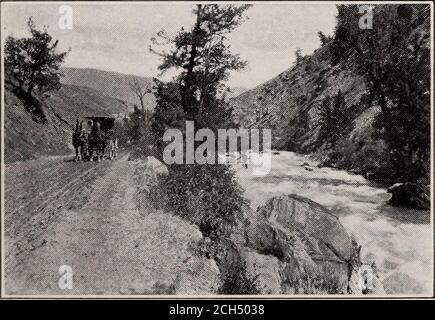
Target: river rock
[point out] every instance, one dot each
(410, 195)
(401, 283)
(266, 269)
(156, 166)
(328, 159)
(365, 281)
(313, 246)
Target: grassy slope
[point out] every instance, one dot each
(117, 85)
(111, 84)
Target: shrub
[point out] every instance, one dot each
(362, 155)
(238, 281)
(327, 281)
(210, 197)
(206, 195)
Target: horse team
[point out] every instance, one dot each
(93, 143)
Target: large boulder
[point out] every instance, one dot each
(285, 219)
(410, 195)
(156, 166)
(314, 249)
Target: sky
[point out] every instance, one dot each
(116, 36)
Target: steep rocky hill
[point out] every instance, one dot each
(288, 103)
(234, 92)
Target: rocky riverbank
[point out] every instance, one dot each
(289, 245)
(397, 239)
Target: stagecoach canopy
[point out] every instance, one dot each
(106, 123)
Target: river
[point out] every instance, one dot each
(398, 240)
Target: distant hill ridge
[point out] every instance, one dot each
(117, 84)
(112, 84)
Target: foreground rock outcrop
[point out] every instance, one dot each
(296, 246)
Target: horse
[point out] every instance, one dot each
(113, 151)
(77, 141)
(97, 142)
(84, 144)
(101, 146)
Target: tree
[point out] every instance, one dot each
(324, 39)
(334, 118)
(203, 59)
(298, 55)
(139, 90)
(136, 124)
(341, 116)
(202, 55)
(325, 119)
(298, 127)
(394, 58)
(168, 112)
(33, 62)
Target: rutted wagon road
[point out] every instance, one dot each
(36, 194)
(36, 190)
(85, 215)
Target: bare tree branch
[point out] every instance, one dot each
(140, 90)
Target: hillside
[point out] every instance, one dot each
(117, 85)
(234, 92)
(84, 92)
(288, 103)
(112, 84)
(28, 137)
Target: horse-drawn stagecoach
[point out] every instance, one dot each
(94, 139)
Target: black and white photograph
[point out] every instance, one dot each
(216, 149)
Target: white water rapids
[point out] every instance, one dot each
(398, 240)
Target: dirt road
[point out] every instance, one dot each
(86, 216)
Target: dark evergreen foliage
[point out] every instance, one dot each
(33, 62)
(394, 58)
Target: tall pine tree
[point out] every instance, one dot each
(334, 118)
(203, 58)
